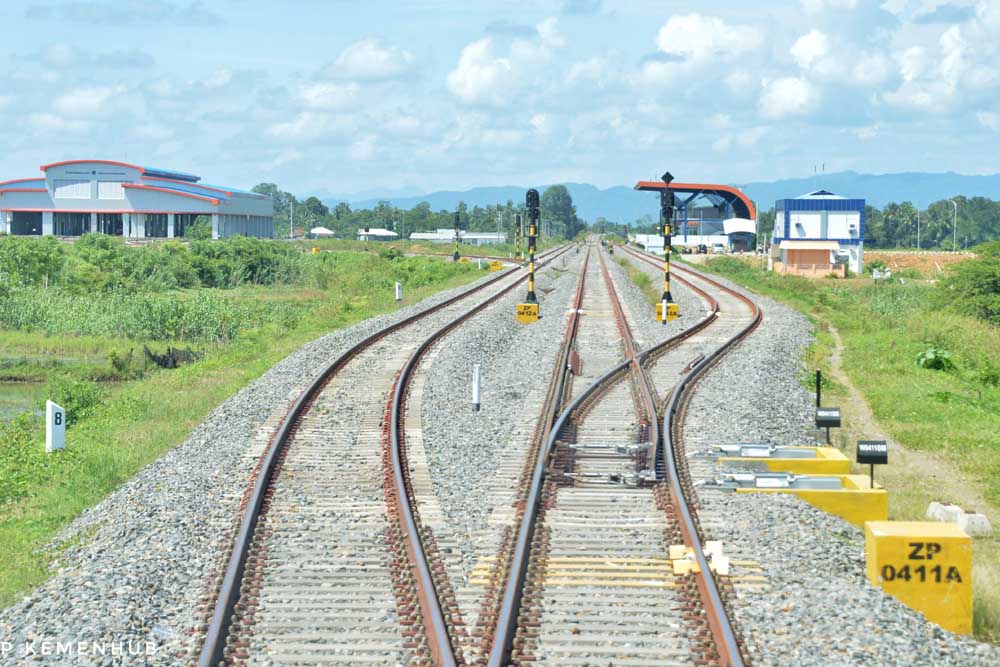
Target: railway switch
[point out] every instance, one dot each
(925, 564)
(801, 460)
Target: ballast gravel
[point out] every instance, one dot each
(129, 571)
(818, 608)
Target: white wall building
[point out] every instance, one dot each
(469, 238)
(75, 197)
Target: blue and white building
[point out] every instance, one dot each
(819, 226)
(75, 197)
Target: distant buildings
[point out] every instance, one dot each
(376, 234)
(75, 197)
(818, 233)
(469, 238)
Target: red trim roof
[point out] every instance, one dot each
(22, 190)
(136, 186)
(21, 180)
(697, 187)
(187, 183)
(116, 211)
(142, 170)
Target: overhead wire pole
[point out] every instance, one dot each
(667, 309)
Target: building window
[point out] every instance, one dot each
(156, 225)
(71, 224)
(70, 188)
(110, 223)
(110, 190)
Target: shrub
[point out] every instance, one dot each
(874, 264)
(936, 359)
(973, 286)
(30, 261)
(78, 397)
(390, 253)
(199, 231)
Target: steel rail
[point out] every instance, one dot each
(722, 630)
(214, 647)
(439, 642)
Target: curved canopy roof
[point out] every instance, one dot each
(717, 194)
(148, 171)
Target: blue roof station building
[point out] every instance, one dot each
(817, 231)
(75, 197)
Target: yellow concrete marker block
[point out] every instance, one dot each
(855, 501)
(496, 265)
(315, 250)
(527, 313)
(671, 312)
(463, 260)
(925, 564)
(828, 461)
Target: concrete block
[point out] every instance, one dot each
(925, 564)
(975, 524)
(944, 512)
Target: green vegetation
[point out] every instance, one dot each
(250, 304)
(558, 213)
(926, 358)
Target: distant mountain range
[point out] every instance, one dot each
(621, 203)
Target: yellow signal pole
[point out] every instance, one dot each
(458, 221)
(527, 312)
(666, 310)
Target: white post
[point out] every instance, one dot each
(399, 291)
(171, 222)
(479, 263)
(55, 427)
(663, 304)
(476, 377)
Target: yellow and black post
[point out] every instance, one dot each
(517, 236)
(458, 221)
(366, 239)
(666, 310)
(527, 312)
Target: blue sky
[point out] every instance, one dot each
(354, 97)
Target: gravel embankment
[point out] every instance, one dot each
(819, 608)
(465, 448)
(132, 567)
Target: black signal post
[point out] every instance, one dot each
(458, 222)
(669, 308)
(366, 239)
(534, 212)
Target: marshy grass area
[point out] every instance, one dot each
(925, 356)
(75, 329)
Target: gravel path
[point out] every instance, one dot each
(133, 566)
(819, 609)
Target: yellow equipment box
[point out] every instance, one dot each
(925, 564)
(527, 313)
(671, 312)
(800, 460)
(496, 265)
(852, 499)
(463, 260)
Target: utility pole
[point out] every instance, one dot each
(517, 236)
(954, 228)
(527, 312)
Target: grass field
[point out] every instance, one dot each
(951, 415)
(130, 423)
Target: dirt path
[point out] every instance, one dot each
(914, 477)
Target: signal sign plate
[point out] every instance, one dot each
(672, 312)
(496, 265)
(527, 313)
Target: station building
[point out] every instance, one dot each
(75, 197)
(728, 218)
(818, 233)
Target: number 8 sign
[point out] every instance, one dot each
(55, 427)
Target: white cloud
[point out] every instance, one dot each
(48, 121)
(867, 132)
(787, 96)
(368, 60)
(822, 5)
(403, 124)
(328, 96)
(700, 37)
(5, 101)
(312, 125)
(485, 75)
(87, 101)
(809, 47)
(363, 148)
(989, 119)
(219, 78)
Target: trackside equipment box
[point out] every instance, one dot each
(925, 564)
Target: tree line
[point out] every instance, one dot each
(558, 213)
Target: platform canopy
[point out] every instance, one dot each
(719, 195)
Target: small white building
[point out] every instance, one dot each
(76, 197)
(469, 238)
(817, 231)
(376, 234)
(322, 233)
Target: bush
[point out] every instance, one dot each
(875, 264)
(973, 286)
(390, 253)
(30, 261)
(936, 359)
(78, 397)
(22, 458)
(199, 231)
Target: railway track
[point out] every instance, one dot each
(320, 573)
(609, 567)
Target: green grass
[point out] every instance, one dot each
(641, 280)
(954, 414)
(138, 421)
